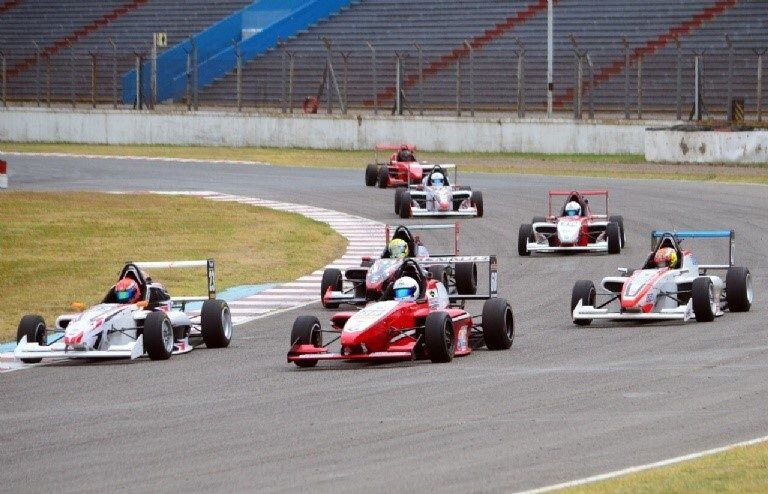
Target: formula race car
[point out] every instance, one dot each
(401, 169)
(576, 228)
(150, 323)
(358, 286)
(426, 325)
(436, 196)
(671, 285)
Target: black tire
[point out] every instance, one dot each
(477, 201)
(406, 209)
(618, 219)
(523, 237)
(398, 196)
(465, 274)
(538, 219)
(702, 292)
(33, 327)
(306, 331)
(583, 290)
(738, 289)
(383, 178)
(498, 324)
(439, 337)
(158, 332)
(331, 278)
(371, 174)
(438, 273)
(613, 233)
(216, 324)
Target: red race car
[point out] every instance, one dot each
(428, 325)
(575, 228)
(401, 170)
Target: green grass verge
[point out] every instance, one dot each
(740, 470)
(63, 247)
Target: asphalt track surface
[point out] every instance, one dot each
(565, 402)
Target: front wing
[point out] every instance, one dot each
(681, 313)
(601, 246)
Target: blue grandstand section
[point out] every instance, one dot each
(256, 28)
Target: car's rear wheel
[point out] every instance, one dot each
(613, 233)
(371, 174)
(439, 338)
(584, 291)
(498, 324)
(158, 336)
(406, 205)
(619, 220)
(524, 236)
(465, 274)
(703, 299)
(306, 330)
(383, 179)
(216, 324)
(477, 202)
(398, 196)
(738, 289)
(331, 279)
(437, 273)
(33, 327)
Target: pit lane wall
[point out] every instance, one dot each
(222, 128)
(709, 146)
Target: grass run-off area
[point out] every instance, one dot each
(582, 165)
(739, 470)
(58, 248)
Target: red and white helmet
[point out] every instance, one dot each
(127, 291)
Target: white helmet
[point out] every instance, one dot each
(437, 179)
(573, 208)
(406, 288)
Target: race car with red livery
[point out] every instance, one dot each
(670, 285)
(574, 228)
(428, 326)
(401, 169)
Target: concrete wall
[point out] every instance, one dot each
(320, 131)
(706, 146)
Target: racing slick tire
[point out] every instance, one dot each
(465, 274)
(437, 273)
(477, 201)
(523, 237)
(406, 205)
(383, 178)
(583, 290)
(158, 336)
(331, 279)
(398, 195)
(738, 289)
(371, 174)
(33, 327)
(703, 298)
(613, 233)
(439, 338)
(306, 331)
(216, 324)
(498, 324)
(618, 219)
(538, 219)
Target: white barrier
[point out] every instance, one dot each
(713, 146)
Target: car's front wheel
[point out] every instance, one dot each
(498, 324)
(33, 327)
(524, 236)
(439, 338)
(158, 336)
(371, 174)
(738, 289)
(584, 292)
(306, 330)
(703, 299)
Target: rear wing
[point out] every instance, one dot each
(657, 235)
(493, 273)
(208, 264)
(583, 193)
(441, 226)
(389, 147)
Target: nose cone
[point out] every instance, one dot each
(568, 231)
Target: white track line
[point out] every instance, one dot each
(648, 466)
(137, 158)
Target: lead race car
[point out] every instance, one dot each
(436, 196)
(576, 228)
(401, 169)
(671, 285)
(137, 317)
(358, 286)
(417, 319)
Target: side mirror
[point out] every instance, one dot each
(78, 306)
(624, 271)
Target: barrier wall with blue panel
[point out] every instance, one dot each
(256, 28)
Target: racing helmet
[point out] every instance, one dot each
(665, 257)
(405, 154)
(127, 291)
(573, 208)
(437, 179)
(398, 248)
(405, 288)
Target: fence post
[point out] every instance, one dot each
(640, 88)
(626, 76)
(3, 90)
(153, 74)
(283, 81)
(195, 75)
(398, 109)
(591, 78)
(520, 53)
(678, 82)
(421, 77)
(48, 81)
(238, 75)
(138, 80)
(759, 54)
(458, 87)
(345, 80)
(577, 97)
(188, 76)
(93, 78)
(471, 78)
(114, 73)
(374, 82)
(729, 81)
(290, 82)
(37, 73)
(71, 73)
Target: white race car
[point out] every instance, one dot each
(440, 200)
(678, 292)
(157, 325)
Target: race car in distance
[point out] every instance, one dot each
(137, 317)
(424, 325)
(671, 285)
(358, 286)
(576, 228)
(401, 169)
(436, 196)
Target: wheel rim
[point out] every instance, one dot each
(167, 334)
(315, 336)
(510, 324)
(712, 303)
(40, 330)
(226, 322)
(448, 337)
(750, 290)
